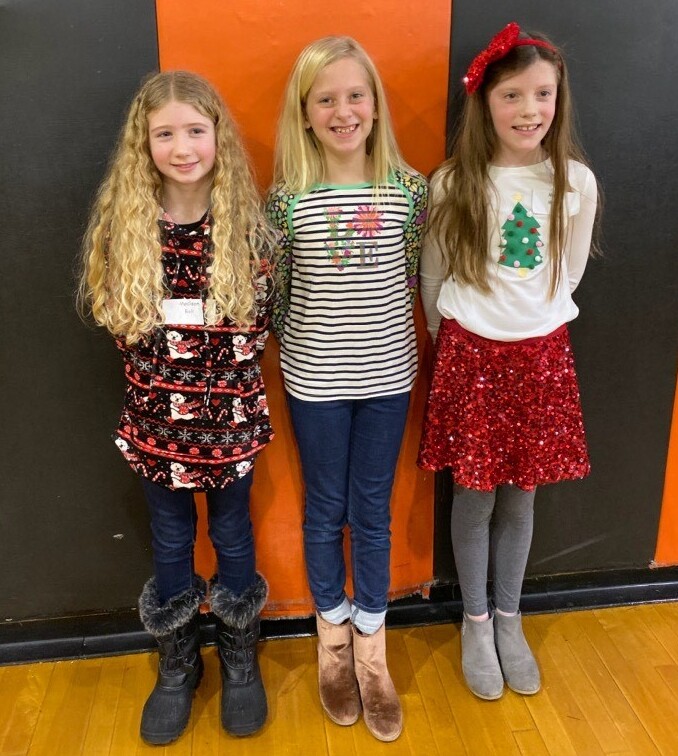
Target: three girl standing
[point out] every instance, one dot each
(176, 268)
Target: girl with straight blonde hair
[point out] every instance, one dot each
(349, 213)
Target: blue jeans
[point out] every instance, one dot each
(349, 450)
(173, 528)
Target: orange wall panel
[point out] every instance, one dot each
(247, 51)
(667, 541)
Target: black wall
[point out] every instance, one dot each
(67, 71)
(621, 55)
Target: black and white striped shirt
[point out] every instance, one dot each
(347, 327)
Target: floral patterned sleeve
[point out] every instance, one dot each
(416, 187)
(277, 206)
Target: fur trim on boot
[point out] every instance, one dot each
(238, 611)
(180, 667)
(161, 620)
(243, 699)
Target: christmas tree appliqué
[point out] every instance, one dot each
(520, 245)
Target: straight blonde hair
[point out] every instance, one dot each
(299, 156)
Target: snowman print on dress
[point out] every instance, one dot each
(180, 409)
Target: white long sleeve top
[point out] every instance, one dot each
(518, 306)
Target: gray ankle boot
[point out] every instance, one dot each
(479, 660)
(517, 662)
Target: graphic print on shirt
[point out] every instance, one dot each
(520, 244)
(343, 248)
(243, 349)
(181, 409)
(178, 348)
(181, 477)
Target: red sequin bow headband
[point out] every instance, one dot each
(500, 45)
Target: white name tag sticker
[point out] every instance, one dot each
(183, 312)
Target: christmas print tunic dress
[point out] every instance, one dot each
(195, 413)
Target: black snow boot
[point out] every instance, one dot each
(175, 627)
(243, 698)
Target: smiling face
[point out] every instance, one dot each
(522, 107)
(183, 144)
(340, 109)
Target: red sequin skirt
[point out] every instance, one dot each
(504, 412)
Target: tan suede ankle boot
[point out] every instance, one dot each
(381, 706)
(337, 683)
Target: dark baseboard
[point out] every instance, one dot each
(121, 632)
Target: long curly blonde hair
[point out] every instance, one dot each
(122, 283)
(300, 160)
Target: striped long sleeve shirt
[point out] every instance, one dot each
(346, 280)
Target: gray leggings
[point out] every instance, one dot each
(491, 528)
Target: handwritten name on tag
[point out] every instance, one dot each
(183, 312)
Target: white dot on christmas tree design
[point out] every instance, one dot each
(520, 245)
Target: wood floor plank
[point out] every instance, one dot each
(557, 658)
(97, 740)
(572, 628)
(295, 723)
(639, 642)
(530, 743)
(658, 622)
(610, 685)
(75, 714)
(23, 692)
(138, 679)
(432, 691)
(642, 686)
(48, 726)
(417, 728)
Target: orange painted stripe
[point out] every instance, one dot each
(667, 541)
(247, 50)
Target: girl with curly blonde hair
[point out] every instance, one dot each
(176, 265)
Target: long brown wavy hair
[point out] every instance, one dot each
(460, 220)
(122, 283)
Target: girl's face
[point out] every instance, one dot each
(340, 109)
(183, 144)
(522, 107)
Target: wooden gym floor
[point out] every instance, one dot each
(610, 687)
